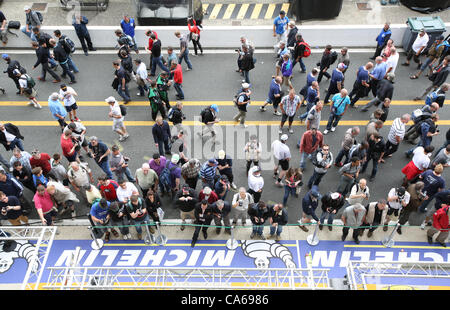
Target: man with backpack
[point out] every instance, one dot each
(33, 19)
(63, 59)
(117, 113)
(156, 104)
(161, 135)
(43, 59)
(27, 83)
(170, 176)
(123, 78)
(437, 96)
(12, 65)
(301, 50)
(69, 48)
(426, 130)
(242, 100)
(209, 117)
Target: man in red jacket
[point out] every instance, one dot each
(177, 72)
(311, 140)
(440, 225)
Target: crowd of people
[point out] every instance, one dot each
(119, 198)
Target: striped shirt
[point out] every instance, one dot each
(397, 129)
(190, 172)
(208, 172)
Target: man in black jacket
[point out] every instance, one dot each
(185, 201)
(203, 216)
(277, 218)
(247, 64)
(43, 56)
(209, 118)
(297, 53)
(385, 89)
(325, 63)
(375, 153)
(156, 55)
(331, 203)
(10, 137)
(258, 213)
(161, 135)
(63, 59)
(221, 211)
(12, 65)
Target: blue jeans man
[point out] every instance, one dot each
(375, 164)
(163, 145)
(104, 165)
(179, 90)
(333, 121)
(278, 229)
(127, 173)
(156, 61)
(124, 93)
(16, 143)
(185, 56)
(302, 65)
(303, 156)
(257, 230)
(315, 179)
(138, 222)
(66, 70)
(29, 33)
(72, 65)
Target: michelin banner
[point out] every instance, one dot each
(261, 254)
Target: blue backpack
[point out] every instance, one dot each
(165, 177)
(446, 48)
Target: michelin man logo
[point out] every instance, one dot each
(20, 249)
(263, 250)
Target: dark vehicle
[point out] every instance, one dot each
(168, 12)
(99, 5)
(426, 6)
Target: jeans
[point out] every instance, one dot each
(125, 94)
(156, 61)
(329, 215)
(302, 159)
(179, 90)
(288, 191)
(425, 203)
(127, 173)
(276, 229)
(72, 65)
(302, 65)
(315, 178)
(258, 229)
(390, 148)
(66, 70)
(375, 165)
(45, 69)
(333, 120)
(246, 76)
(104, 165)
(341, 155)
(309, 105)
(185, 56)
(29, 33)
(163, 144)
(374, 101)
(85, 39)
(142, 89)
(138, 222)
(16, 143)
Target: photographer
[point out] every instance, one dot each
(195, 34)
(135, 207)
(359, 193)
(99, 216)
(398, 198)
(79, 136)
(417, 196)
(375, 215)
(119, 164)
(12, 210)
(118, 217)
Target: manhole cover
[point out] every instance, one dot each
(39, 6)
(363, 6)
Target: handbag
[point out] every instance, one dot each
(115, 83)
(14, 24)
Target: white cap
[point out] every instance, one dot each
(26, 8)
(245, 85)
(284, 137)
(110, 99)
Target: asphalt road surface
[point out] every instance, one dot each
(213, 80)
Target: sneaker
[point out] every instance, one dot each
(37, 106)
(126, 136)
(399, 230)
(31, 103)
(385, 228)
(280, 131)
(303, 228)
(277, 113)
(333, 129)
(262, 109)
(125, 237)
(139, 236)
(121, 138)
(369, 234)
(291, 131)
(73, 214)
(422, 226)
(129, 236)
(233, 186)
(262, 237)
(187, 69)
(325, 131)
(244, 125)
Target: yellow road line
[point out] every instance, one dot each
(342, 123)
(215, 11)
(285, 7)
(200, 103)
(269, 12)
(229, 11)
(242, 11)
(256, 11)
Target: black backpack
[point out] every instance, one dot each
(68, 45)
(203, 114)
(314, 158)
(334, 57)
(123, 109)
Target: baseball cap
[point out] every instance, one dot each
(282, 12)
(245, 85)
(175, 158)
(315, 193)
(110, 99)
(284, 137)
(215, 107)
(26, 8)
(4, 56)
(16, 71)
(212, 161)
(257, 169)
(342, 66)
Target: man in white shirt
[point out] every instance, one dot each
(420, 43)
(141, 77)
(281, 153)
(392, 61)
(398, 198)
(359, 193)
(116, 114)
(67, 94)
(255, 183)
(126, 190)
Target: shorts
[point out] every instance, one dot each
(72, 107)
(284, 117)
(118, 124)
(284, 163)
(393, 211)
(31, 95)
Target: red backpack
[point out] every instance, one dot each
(307, 50)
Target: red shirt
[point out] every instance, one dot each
(42, 162)
(178, 74)
(150, 41)
(194, 28)
(66, 145)
(109, 191)
(44, 202)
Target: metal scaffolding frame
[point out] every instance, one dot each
(357, 271)
(84, 278)
(36, 254)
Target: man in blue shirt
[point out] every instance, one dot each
(382, 39)
(274, 96)
(337, 81)
(127, 24)
(99, 217)
(377, 74)
(339, 106)
(280, 27)
(57, 109)
(312, 97)
(361, 87)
